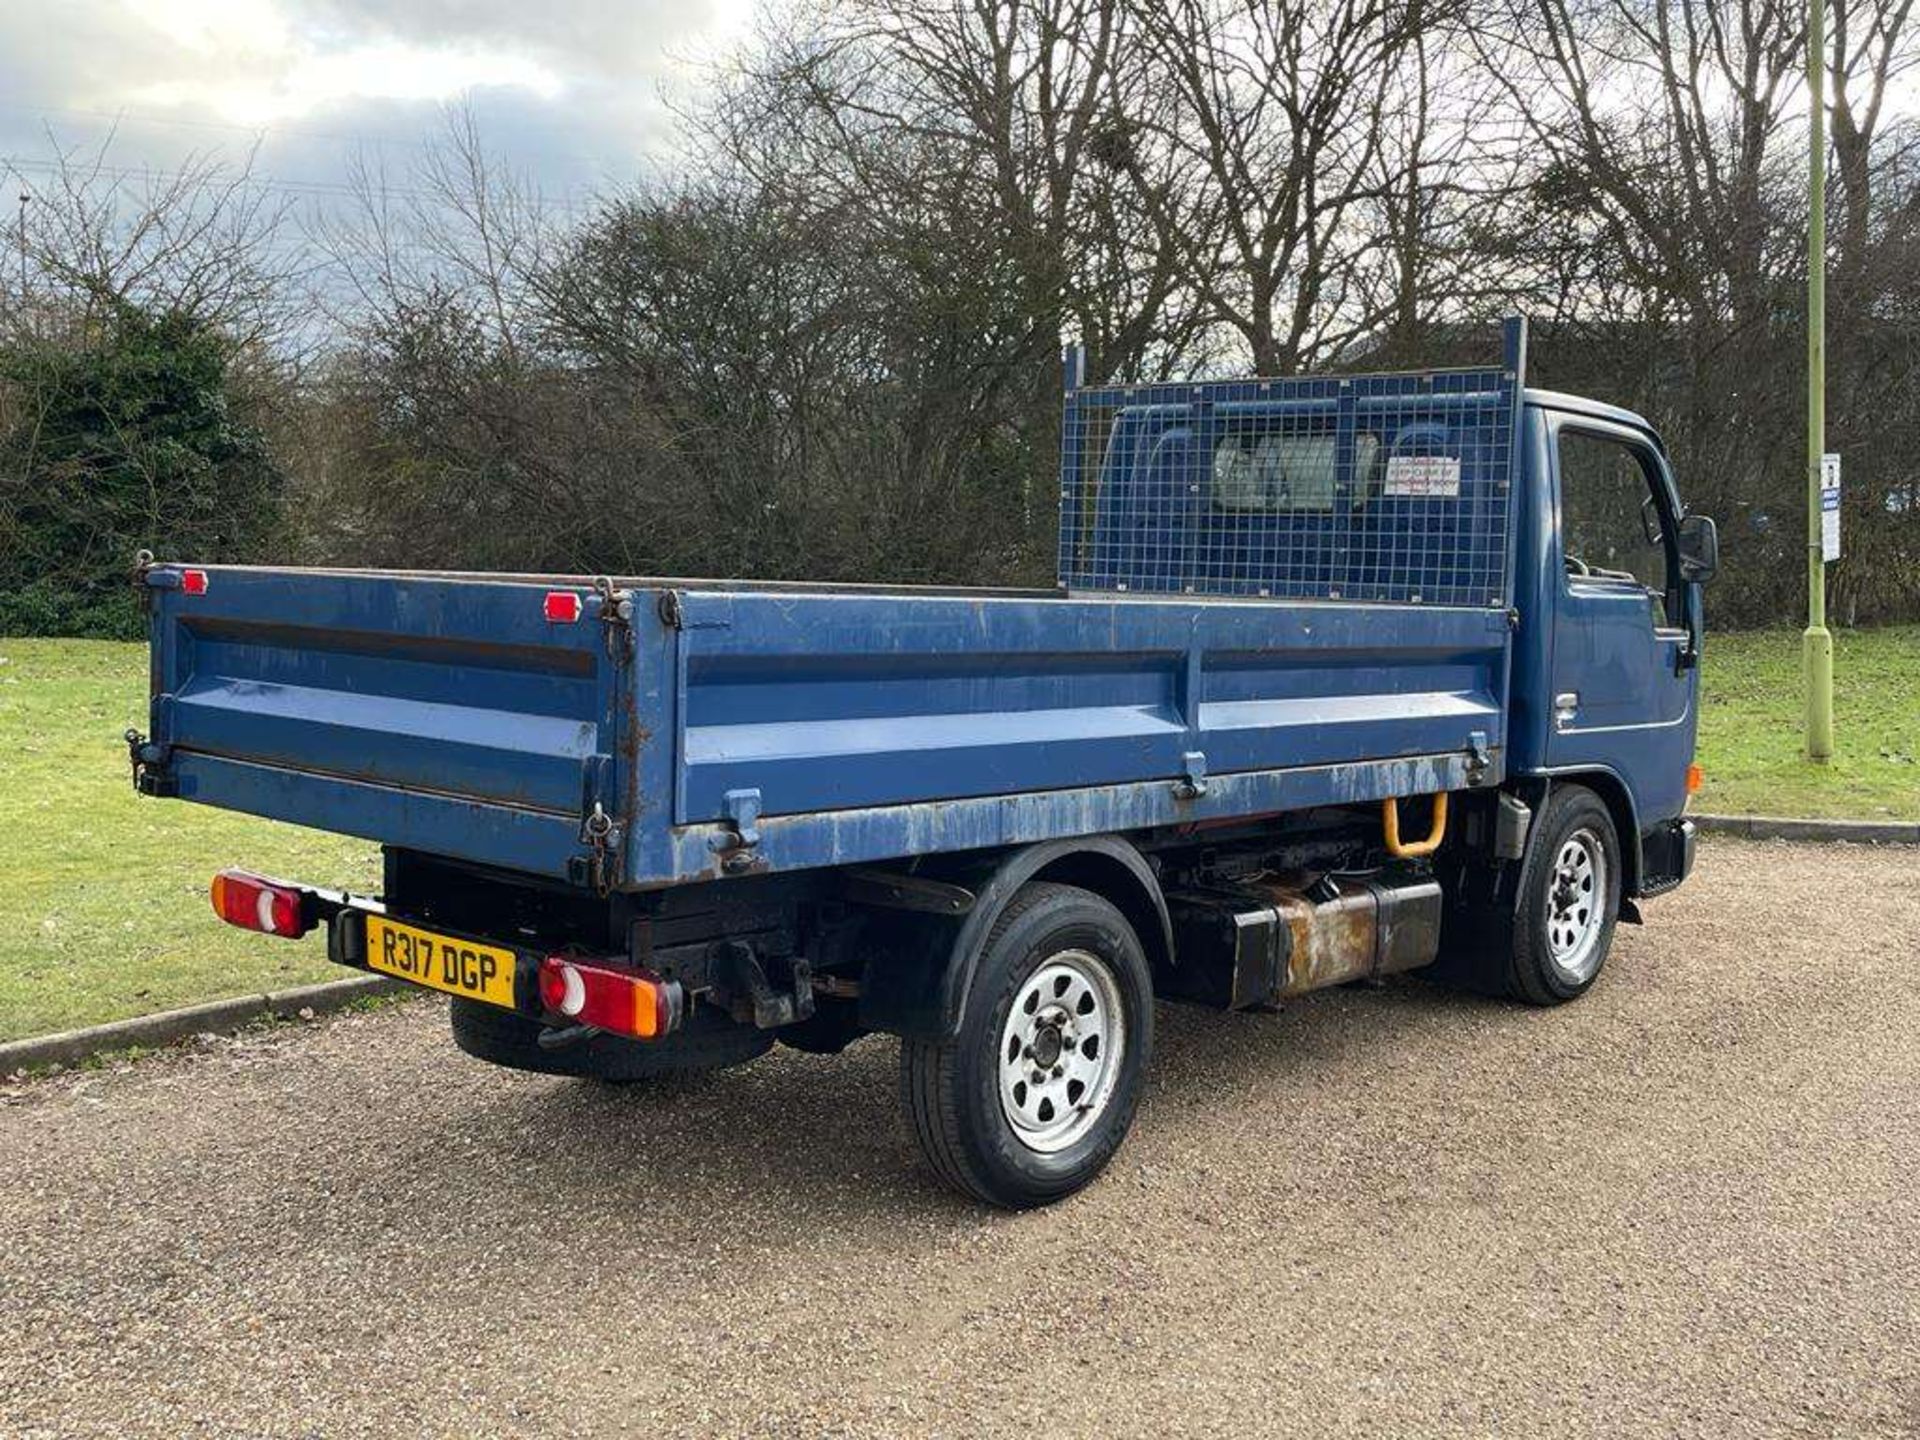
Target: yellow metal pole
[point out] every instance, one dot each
(1817, 643)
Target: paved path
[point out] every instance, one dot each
(1688, 1205)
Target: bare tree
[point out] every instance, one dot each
(1874, 48)
(827, 346)
(1279, 116)
(459, 416)
(1671, 142)
(208, 240)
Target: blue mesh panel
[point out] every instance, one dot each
(1365, 487)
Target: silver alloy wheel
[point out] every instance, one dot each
(1577, 905)
(1061, 1050)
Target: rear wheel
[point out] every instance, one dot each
(503, 1037)
(1030, 1100)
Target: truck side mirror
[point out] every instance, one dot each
(1699, 548)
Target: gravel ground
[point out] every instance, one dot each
(1687, 1205)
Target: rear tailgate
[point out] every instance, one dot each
(440, 713)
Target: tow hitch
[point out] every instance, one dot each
(744, 988)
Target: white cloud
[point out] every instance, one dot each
(307, 84)
(255, 63)
(571, 89)
(214, 27)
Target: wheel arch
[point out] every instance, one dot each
(1618, 799)
(1120, 874)
(921, 987)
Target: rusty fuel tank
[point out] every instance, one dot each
(1263, 942)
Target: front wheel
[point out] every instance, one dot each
(1569, 900)
(1030, 1100)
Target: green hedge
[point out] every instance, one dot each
(124, 431)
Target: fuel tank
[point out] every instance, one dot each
(1265, 941)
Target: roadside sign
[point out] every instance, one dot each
(1830, 508)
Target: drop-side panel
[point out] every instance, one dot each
(447, 714)
(833, 702)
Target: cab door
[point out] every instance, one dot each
(1624, 670)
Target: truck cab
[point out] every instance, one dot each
(1611, 573)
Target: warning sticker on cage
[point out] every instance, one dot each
(1423, 476)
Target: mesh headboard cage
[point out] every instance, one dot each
(1393, 487)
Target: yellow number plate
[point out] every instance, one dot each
(460, 967)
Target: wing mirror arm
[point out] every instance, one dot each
(1698, 543)
(1688, 656)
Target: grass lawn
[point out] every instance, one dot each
(103, 895)
(1751, 733)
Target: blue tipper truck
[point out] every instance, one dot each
(1345, 676)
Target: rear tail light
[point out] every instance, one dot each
(627, 1002)
(1695, 775)
(253, 903)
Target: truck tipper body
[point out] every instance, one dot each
(1344, 676)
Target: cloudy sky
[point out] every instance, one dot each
(569, 90)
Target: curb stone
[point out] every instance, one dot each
(1772, 827)
(69, 1047)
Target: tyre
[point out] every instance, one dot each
(1030, 1100)
(502, 1037)
(1568, 901)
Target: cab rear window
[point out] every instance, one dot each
(1275, 473)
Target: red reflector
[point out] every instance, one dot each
(627, 1002)
(562, 607)
(256, 904)
(194, 582)
(563, 989)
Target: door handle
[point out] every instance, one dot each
(1565, 706)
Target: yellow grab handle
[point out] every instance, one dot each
(1390, 816)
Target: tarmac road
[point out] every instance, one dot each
(1687, 1205)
